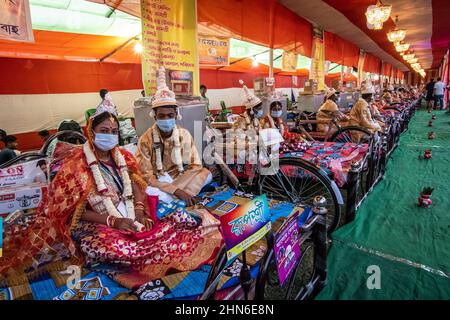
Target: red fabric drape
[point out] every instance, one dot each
(334, 48)
(38, 76)
(340, 51)
(372, 64)
(265, 22)
(387, 67)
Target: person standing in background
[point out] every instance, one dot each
(3, 134)
(429, 97)
(438, 92)
(203, 97)
(9, 152)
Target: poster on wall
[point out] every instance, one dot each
(245, 225)
(213, 51)
(15, 21)
(290, 60)
(169, 39)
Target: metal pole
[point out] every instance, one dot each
(271, 63)
(119, 48)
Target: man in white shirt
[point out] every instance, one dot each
(439, 94)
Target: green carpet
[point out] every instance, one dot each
(411, 245)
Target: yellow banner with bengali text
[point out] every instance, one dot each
(318, 63)
(213, 51)
(169, 39)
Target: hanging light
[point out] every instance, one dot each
(378, 14)
(398, 34)
(409, 56)
(138, 47)
(376, 26)
(255, 63)
(401, 47)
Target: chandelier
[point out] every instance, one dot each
(401, 47)
(409, 56)
(398, 34)
(378, 14)
(412, 61)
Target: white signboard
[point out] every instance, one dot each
(15, 20)
(24, 174)
(13, 199)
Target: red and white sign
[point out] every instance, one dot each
(14, 199)
(24, 174)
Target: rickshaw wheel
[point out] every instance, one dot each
(353, 134)
(299, 182)
(269, 287)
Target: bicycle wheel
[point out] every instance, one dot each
(269, 286)
(352, 134)
(299, 181)
(376, 165)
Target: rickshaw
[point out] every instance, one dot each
(261, 282)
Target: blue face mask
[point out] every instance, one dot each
(105, 141)
(166, 125)
(258, 113)
(276, 114)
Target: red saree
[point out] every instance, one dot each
(175, 243)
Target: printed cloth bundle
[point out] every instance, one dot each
(332, 157)
(103, 281)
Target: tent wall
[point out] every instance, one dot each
(341, 51)
(265, 22)
(37, 94)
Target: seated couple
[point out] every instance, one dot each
(363, 114)
(97, 209)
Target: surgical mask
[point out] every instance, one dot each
(276, 114)
(258, 113)
(166, 125)
(106, 141)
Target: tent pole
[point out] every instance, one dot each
(119, 48)
(271, 63)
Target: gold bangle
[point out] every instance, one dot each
(113, 221)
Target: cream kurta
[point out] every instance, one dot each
(191, 180)
(360, 115)
(327, 112)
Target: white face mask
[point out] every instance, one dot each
(105, 141)
(276, 114)
(258, 113)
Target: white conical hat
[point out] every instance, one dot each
(250, 99)
(107, 105)
(330, 92)
(367, 89)
(163, 96)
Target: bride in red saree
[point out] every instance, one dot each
(97, 213)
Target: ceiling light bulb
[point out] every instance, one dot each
(138, 47)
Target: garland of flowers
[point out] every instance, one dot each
(101, 185)
(177, 150)
(249, 121)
